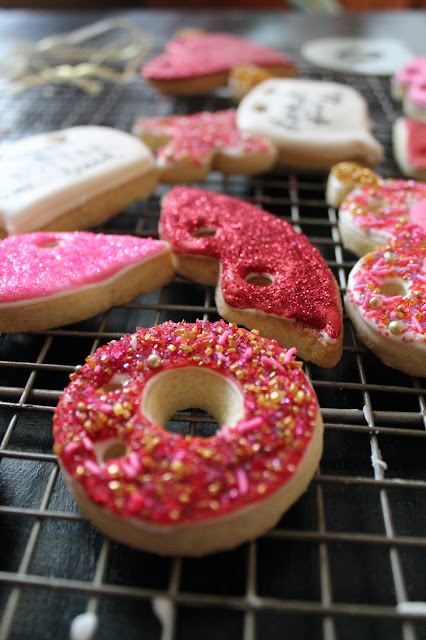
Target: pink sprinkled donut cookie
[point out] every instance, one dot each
(199, 62)
(369, 216)
(409, 147)
(386, 301)
(188, 147)
(170, 494)
(50, 279)
(267, 275)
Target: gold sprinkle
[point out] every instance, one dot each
(396, 327)
(153, 361)
(80, 470)
(114, 485)
(113, 469)
(375, 303)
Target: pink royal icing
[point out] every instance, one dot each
(208, 53)
(166, 478)
(384, 207)
(416, 142)
(400, 314)
(247, 241)
(41, 264)
(413, 70)
(194, 138)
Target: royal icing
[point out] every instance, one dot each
(250, 243)
(413, 71)
(416, 142)
(38, 265)
(389, 288)
(384, 210)
(165, 478)
(48, 174)
(208, 53)
(311, 116)
(196, 139)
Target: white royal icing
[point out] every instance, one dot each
(48, 174)
(309, 115)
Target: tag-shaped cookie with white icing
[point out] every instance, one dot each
(73, 178)
(314, 124)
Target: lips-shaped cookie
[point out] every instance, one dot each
(267, 276)
(188, 147)
(201, 62)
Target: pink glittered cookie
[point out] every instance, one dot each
(409, 85)
(197, 63)
(386, 299)
(50, 279)
(409, 147)
(267, 276)
(188, 147)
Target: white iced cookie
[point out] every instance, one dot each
(314, 124)
(71, 179)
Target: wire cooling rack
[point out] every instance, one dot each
(346, 562)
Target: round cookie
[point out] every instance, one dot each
(163, 492)
(386, 301)
(199, 62)
(369, 216)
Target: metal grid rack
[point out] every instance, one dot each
(348, 559)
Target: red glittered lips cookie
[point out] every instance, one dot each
(201, 62)
(268, 276)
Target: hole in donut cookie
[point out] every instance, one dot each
(116, 382)
(259, 279)
(393, 288)
(192, 388)
(204, 232)
(109, 450)
(259, 107)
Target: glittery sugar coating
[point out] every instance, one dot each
(246, 241)
(389, 287)
(195, 138)
(384, 208)
(208, 53)
(41, 264)
(164, 477)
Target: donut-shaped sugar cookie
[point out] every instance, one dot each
(194, 62)
(188, 147)
(174, 494)
(73, 178)
(385, 301)
(267, 275)
(369, 216)
(49, 279)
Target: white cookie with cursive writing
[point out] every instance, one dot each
(314, 124)
(71, 179)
